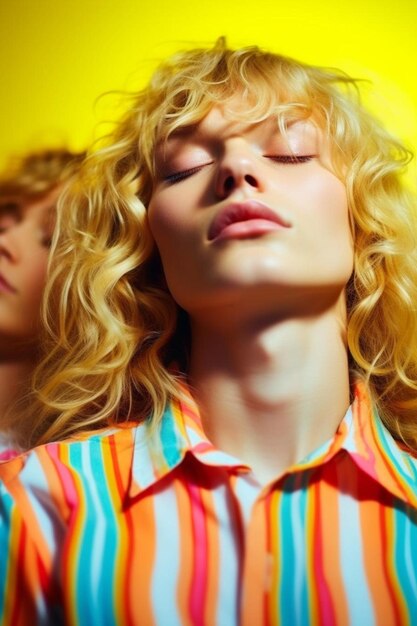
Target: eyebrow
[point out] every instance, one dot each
(10, 207)
(192, 129)
(182, 131)
(178, 133)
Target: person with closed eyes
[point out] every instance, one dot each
(224, 425)
(29, 191)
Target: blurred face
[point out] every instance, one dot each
(25, 234)
(238, 210)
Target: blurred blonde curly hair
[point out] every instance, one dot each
(36, 174)
(111, 325)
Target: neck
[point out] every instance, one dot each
(14, 383)
(271, 392)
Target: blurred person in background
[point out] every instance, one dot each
(29, 191)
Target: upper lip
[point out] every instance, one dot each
(242, 212)
(6, 284)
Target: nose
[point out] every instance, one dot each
(238, 169)
(7, 245)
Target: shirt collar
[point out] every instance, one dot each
(376, 452)
(160, 449)
(361, 434)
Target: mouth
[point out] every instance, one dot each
(241, 220)
(5, 286)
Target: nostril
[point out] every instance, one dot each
(231, 181)
(251, 180)
(229, 184)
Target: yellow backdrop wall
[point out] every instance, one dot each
(57, 57)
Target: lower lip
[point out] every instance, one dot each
(5, 287)
(248, 229)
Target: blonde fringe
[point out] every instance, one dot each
(110, 321)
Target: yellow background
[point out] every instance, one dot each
(58, 56)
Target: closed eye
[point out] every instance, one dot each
(290, 159)
(176, 177)
(10, 215)
(46, 241)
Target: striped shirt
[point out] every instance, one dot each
(140, 527)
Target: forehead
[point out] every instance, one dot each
(223, 122)
(38, 208)
(238, 121)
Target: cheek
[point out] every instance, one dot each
(35, 277)
(335, 232)
(328, 233)
(25, 312)
(327, 199)
(336, 211)
(168, 222)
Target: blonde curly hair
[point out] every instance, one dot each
(111, 324)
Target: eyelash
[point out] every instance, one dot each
(177, 176)
(46, 242)
(289, 159)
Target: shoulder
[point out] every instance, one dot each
(47, 491)
(62, 469)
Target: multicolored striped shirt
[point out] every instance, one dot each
(140, 527)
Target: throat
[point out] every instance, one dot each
(14, 385)
(273, 398)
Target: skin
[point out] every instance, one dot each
(267, 306)
(25, 233)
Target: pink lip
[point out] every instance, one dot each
(245, 219)
(5, 286)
